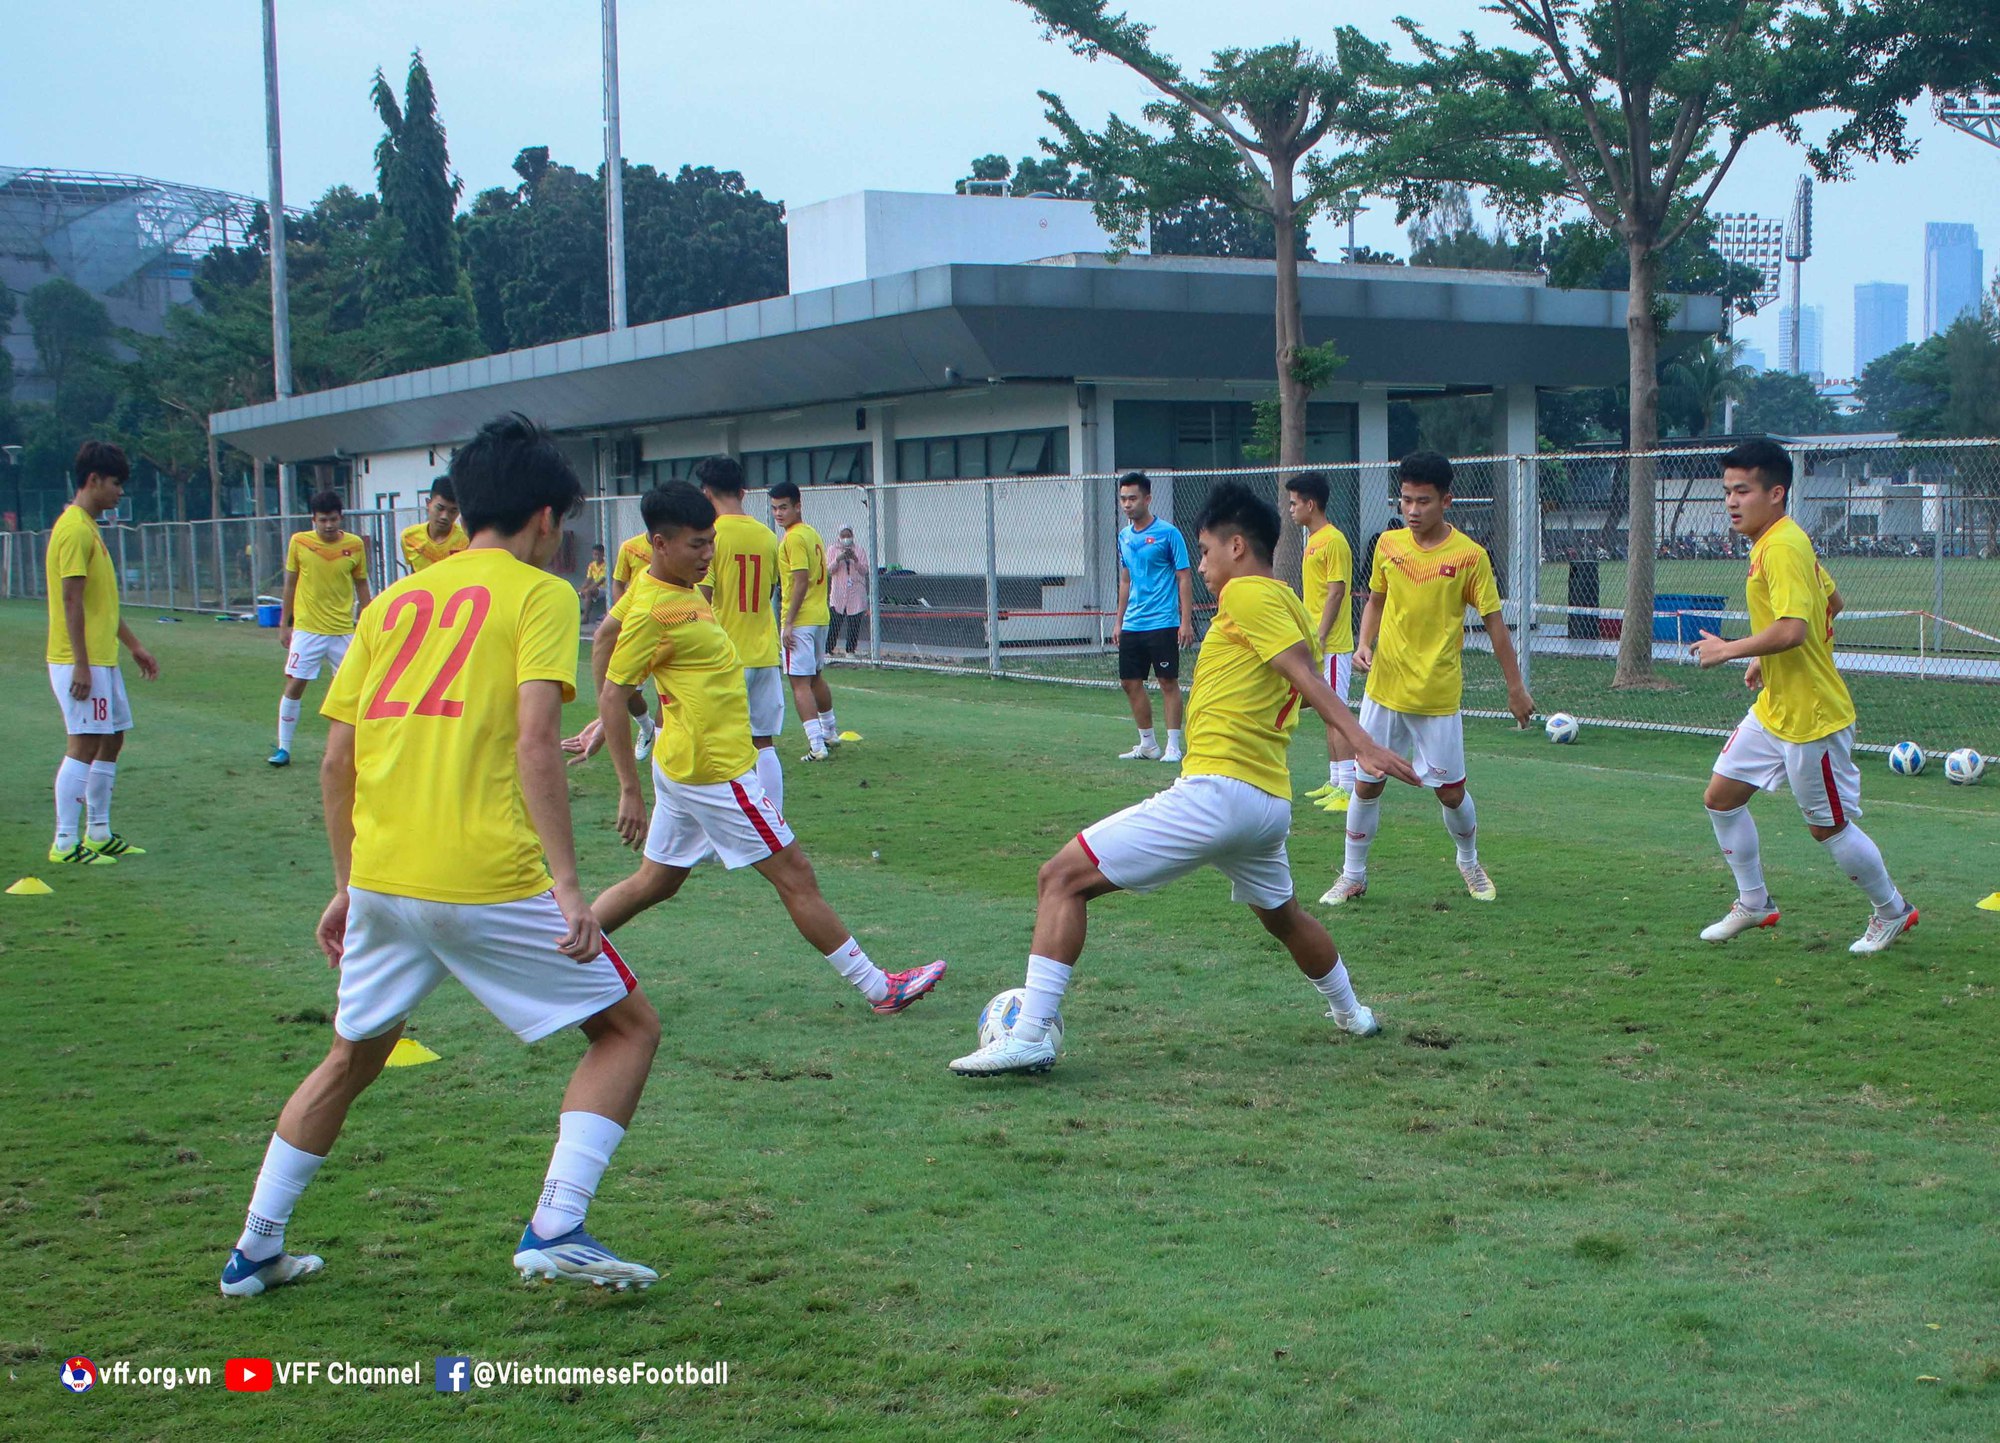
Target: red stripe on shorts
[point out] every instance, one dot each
(764, 832)
(1832, 792)
(1088, 853)
(624, 972)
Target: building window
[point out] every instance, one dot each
(997, 453)
(810, 466)
(1204, 435)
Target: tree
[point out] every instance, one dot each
(1634, 110)
(1701, 383)
(1783, 403)
(1238, 137)
(419, 192)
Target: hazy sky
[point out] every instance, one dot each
(808, 98)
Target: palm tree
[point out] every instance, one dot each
(1700, 386)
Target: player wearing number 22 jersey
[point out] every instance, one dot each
(449, 707)
(1231, 808)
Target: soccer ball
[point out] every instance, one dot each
(1562, 728)
(997, 1018)
(78, 1375)
(1964, 767)
(1907, 759)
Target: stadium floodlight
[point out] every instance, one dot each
(614, 175)
(1975, 112)
(1798, 250)
(1754, 241)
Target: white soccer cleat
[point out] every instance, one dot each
(1884, 930)
(1741, 919)
(242, 1278)
(1172, 754)
(1478, 883)
(579, 1258)
(648, 733)
(1144, 752)
(1344, 889)
(819, 753)
(1008, 1054)
(1361, 1021)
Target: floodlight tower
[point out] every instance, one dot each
(1976, 112)
(1798, 250)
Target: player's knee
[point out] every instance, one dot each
(1452, 795)
(1716, 796)
(1368, 791)
(1280, 921)
(351, 1066)
(1825, 834)
(640, 1026)
(1067, 871)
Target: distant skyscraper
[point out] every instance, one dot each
(1810, 331)
(1752, 357)
(1881, 321)
(1954, 272)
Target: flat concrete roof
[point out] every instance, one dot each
(1150, 318)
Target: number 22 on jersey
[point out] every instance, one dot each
(467, 608)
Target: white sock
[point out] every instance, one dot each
(584, 1144)
(1343, 774)
(1146, 737)
(772, 775)
(97, 794)
(288, 720)
(1337, 990)
(1364, 815)
(852, 963)
(828, 726)
(814, 737)
(280, 1182)
(72, 784)
(1856, 854)
(1047, 980)
(1175, 741)
(1463, 824)
(1736, 834)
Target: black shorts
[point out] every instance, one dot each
(1154, 652)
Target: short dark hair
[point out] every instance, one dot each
(784, 491)
(1426, 468)
(441, 489)
(508, 472)
(721, 474)
(1769, 461)
(598, 547)
(676, 506)
(326, 503)
(1139, 479)
(1312, 485)
(100, 458)
(1232, 506)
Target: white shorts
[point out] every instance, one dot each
(807, 653)
(736, 821)
(309, 649)
(1337, 671)
(1218, 822)
(400, 948)
(1434, 745)
(1824, 780)
(765, 686)
(105, 711)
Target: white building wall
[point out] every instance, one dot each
(884, 233)
(407, 474)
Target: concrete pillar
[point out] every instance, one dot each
(882, 446)
(1515, 413)
(1373, 452)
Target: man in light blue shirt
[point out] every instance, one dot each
(1155, 615)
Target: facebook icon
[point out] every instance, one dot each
(454, 1375)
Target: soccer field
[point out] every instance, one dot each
(1595, 1180)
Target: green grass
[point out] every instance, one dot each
(1594, 1181)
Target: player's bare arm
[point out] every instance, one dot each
(1371, 628)
(1295, 665)
(796, 600)
(1783, 634)
(336, 792)
(141, 658)
(614, 721)
(538, 712)
(584, 745)
(1520, 705)
(1336, 597)
(285, 614)
(72, 600)
(1185, 576)
(1124, 591)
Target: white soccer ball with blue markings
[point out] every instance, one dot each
(1562, 728)
(1907, 759)
(997, 1018)
(1964, 767)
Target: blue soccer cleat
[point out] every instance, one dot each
(242, 1278)
(280, 758)
(581, 1258)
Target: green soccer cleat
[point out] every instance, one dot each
(1321, 793)
(1336, 801)
(113, 846)
(82, 856)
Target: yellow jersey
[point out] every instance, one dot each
(740, 579)
(635, 554)
(1241, 713)
(1417, 667)
(594, 573)
(802, 550)
(420, 549)
(327, 570)
(671, 633)
(1330, 562)
(76, 549)
(1803, 698)
(431, 687)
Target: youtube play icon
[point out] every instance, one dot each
(247, 1375)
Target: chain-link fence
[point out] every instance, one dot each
(1018, 576)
